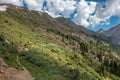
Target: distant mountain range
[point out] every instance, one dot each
(113, 34)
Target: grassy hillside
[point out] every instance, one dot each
(51, 50)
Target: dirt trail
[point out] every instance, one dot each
(10, 73)
(17, 59)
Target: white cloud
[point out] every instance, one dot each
(84, 11)
(15, 2)
(57, 7)
(3, 8)
(88, 13)
(34, 4)
(103, 15)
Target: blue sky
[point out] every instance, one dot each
(114, 20)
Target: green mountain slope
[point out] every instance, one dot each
(53, 50)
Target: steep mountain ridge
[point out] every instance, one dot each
(55, 49)
(113, 34)
(81, 30)
(101, 31)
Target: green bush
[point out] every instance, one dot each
(84, 47)
(2, 38)
(32, 57)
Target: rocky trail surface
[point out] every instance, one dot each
(10, 73)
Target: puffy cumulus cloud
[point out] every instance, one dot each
(34, 4)
(30, 4)
(84, 11)
(15, 2)
(57, 8)
(103, 14)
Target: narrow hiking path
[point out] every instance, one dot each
(17, 59)
(10, 73)
(25, 72)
